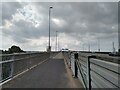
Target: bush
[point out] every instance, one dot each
(15, 49)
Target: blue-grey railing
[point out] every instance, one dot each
(95, 70)
(13, 64)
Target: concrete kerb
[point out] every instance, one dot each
(75, 81)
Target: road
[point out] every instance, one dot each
(50, 74)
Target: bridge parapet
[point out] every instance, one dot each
(95, 70)
(14, 64)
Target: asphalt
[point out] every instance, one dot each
(50, 74)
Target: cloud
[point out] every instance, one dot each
(59, 22)
(77, 23)
(8, 9)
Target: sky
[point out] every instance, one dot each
(80, 25)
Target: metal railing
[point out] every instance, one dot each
(13, 64)
(103, 73)
(95, 71)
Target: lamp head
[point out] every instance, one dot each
(51, 7)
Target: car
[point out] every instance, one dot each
(65, 49)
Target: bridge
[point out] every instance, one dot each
(68, 69)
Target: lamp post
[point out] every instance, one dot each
(98, 45)
(56, 41)
(49, 47)
(89, 47)
(119, 29)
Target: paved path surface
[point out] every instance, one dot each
(50, 74)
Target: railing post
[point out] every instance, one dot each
(88, 72)
(1, 68)
(29, 61)
(12, 66)
(70, 58)
(75, 64)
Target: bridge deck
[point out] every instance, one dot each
(50, 74)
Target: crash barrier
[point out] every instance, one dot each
(95, 71)
(13, 64)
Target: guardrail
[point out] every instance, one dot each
(95, 71)
(13, 64)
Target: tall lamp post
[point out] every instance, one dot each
(119, 29)
(49, 47)
(56, 41)
(98, 45)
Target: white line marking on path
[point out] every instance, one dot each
(23, 72)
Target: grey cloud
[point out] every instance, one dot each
(25, 31)
(8, 9)
(90, 13)
(98, 17)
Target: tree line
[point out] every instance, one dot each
(12, 49)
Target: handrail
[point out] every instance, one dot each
(107, 70)
(1, 62)
(101, 70)
(17, 64)
(85, 83)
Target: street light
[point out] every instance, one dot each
(98, 45)
(56, 40)
(49, 47)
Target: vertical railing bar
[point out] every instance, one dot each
(88, 72)
(12, 65)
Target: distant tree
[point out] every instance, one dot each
(15, 49)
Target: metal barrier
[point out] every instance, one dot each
(103, 74)
(13, 64)
(96, 71)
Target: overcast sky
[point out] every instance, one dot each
(79, 24)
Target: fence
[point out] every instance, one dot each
(95, 71)
(13, 64)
